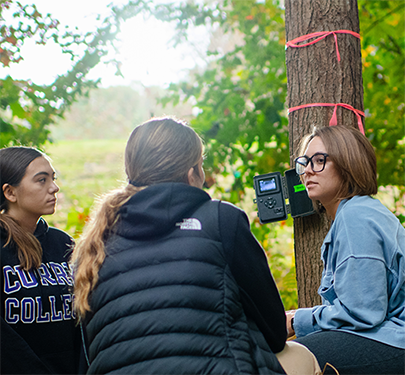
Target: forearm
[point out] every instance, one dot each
(290, 322)
(249, 266)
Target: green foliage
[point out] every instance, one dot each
(76, 220)
(278, 242)
(382, 26)
(241, 97)
(31, 23)
(28, 109)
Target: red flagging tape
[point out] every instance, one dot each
(320, 35)
(333, 120)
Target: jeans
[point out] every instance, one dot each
(353, 354)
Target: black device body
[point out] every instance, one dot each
(269, 197)
(272, 190)
(300, 203)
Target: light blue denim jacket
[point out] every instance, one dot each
(363, 280)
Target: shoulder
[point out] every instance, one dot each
(233, 221)
(54, 237)
(3, 235)
(57, 245)
(364, 226)
(365, 211)
(44, 229)
(9, 255)
(355, 205)
(59, 234)
(231, 214)
(230, 209)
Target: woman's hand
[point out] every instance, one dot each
(290, 315)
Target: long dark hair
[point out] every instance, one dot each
(14, 162)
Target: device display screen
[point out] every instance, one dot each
(267, 184)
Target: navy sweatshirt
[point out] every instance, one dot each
(38, 330)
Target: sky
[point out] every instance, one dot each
(146, 51)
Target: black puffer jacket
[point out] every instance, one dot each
(183, 290)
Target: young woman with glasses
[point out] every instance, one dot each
(360, 326)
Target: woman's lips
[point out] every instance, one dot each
(310, 183)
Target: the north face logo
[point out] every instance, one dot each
(189, 224)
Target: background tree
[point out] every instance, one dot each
(316, 76)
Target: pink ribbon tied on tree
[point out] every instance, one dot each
(333, 120)
(320, 35)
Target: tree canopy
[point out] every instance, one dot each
(240, 95)
(27, 109)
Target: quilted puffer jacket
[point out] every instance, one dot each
(167, 301)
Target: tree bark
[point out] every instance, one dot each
(314, 75)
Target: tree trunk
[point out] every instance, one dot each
(314, 75)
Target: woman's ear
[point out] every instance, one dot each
(191, 177)
(9, 193)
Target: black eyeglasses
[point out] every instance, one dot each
(317, 161)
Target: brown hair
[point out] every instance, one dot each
(159, 150)
(353, 157)
(14, 162)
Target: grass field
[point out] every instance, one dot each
(85, 169)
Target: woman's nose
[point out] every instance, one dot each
(308, 169)
(54, 187)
